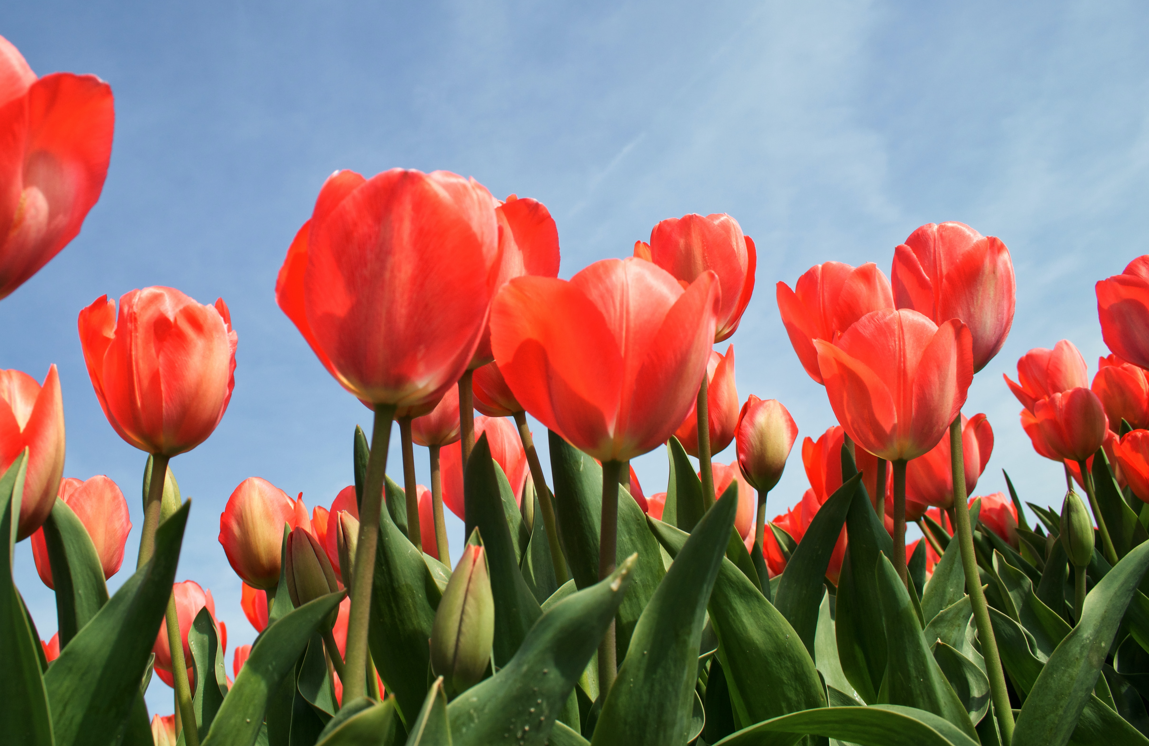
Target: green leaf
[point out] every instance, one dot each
(917, 568)
(1047, 628)
(880, 725)
(1066, 682)
(826, 656)
(967, 679)
(519, 704)
(803, 582)
(486, 490)
(361, 454)
(367, 724)
(943, 538)
(718, 709)
(210, 673)
(95, 681)
(753, 637)
(272, 659)
(952, 626)
(1125, 530)
(649, 702)
(23, 700)
(1021, 521)
(736, 552)
(281, 604)
(432, 728)
(536, 565)
(313, 681)
(396, 499)
(947, 585)
(683, 489)
(563, 735)
(76, 571)
(1051, 589)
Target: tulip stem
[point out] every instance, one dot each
(964, 532)
(152, 508)
(414, 531)
(880, 488)
(373, 680)
(333, 654)
(900, 519)
(607, 551)
(179, 665)
(363, 576)
(1078, 593)
(1106, 542)
(705, 469)
(441, 544)
(758, 553)
(466, 417)
(929, 535)
(557, 560)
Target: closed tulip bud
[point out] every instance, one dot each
(309, 574)
(1076, 530)
(346, 540)
(1042, 373)
(765, 434)
(1072, 423)
(164, 730)
(1123, 309)
(251, 530)
(722, 407)
(464, 627)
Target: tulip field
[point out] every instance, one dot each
(584, 607)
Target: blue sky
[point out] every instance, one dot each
(829, 130)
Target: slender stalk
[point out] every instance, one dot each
(705, 469)
(607, 551)
(414, 531)
(362, 579)
(900, 519)
(333, 654)
(152, 509)
(964, 532)
(760, 522)
(1069, 476)
(437, 508)
(466, 417)
(1078, 593)
(930, 538)
(559, 562)
(179, 663)
(1106, 542)
(373, 689)
(880, 488)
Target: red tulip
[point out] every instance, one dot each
(771, 552)
(339, 632)
(999, 515)
(254, 604)
(950, 271)
(610, 360)
(163, 370)
(391, 280)
(492, 395)
(765, 433)
(1132, 452)
(722, 407)
(1109, 445)
(1123, 307)
(826, 301)
(251, 530)
(32, 417)
(101, 507)
(656, 503)
(242, 653)
(797, 520)
(636, 492)
(345, 501)
(929, 478)
(190, 598)
(427, 521)
(931, 556)
(724, 475)
(164, 730)
(320, 521)
(1041, 372)
(57, 135)
(51, 648)
(1072, 424)
(506, 449)
(1123, 389)
(896, 380)
(822, 460)
(687, 247)
(440, 426)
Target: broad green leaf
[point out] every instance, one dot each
(1012, 557)
(1047, 628)
(563, 735)
(280, 601)
(432, 728)
(369, 724)
(943, 538)
(1052, 588)
(76, 571)
(1049, 517)
(210, 674)
(967, 679)
(826, 656)
(946, 586)
(23, 700)
(880, 725)
(1125, 530)
(1127, 700)
(94, 683)
(519, 704)
(566, 589)
(718, 709)
(536, 565)
(786, 543)
(396, 499)
(951, 626)
(272, 660)
(736, 552)
(1021, 521)
(916, 566)
(683, 488)
(649, 702)
(313, 680)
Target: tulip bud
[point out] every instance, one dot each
(464, 627)
(346, 539)
(765, 434)
(309, 574)
(164, 730)
(1076, 530)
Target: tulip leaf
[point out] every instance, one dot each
(23, 700)
(313, 680)
(360, 455)
(272, 660)
(650, 701)
(826, 657)
(753, 637)
(1051, 590)
(485, 490)
(916, 566)
(536, 565)
(396, 500)
(564, 735)
(1067, 681)
(718, 709)
(520, 703)
(947, 585)
(951, 626)
(432, 728)
(804, 581)
(683, 488)
(578, 506)
(1125, 530)
(737, 553)
(967, 679)
(367, 724)
(210, 674)
(880, 725)
(93, 685)
(76, 571)
(1047, 628)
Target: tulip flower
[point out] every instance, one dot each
(825, 302)
(492, 395)
(722, 407)
(999, 514)
(464, 627)
(345, 501)
(950, 271)
(101, 507)
(765, 433)
(51, 648)
(32, 417)
(929, 478)
(164, 729)
(320, 518)
(427, 521)
(251, 530)
(724, 476)
(1072, 423)
(822, 460)
(242, 653)
(797, 520)
(1132, 452)
(254, 604)
(1123, 389)
(57, 135)
(635, 489)
(1123, 308)
(440, 426)
(687, 247)
(1042, 372)
(771, 552)
(189, 599)
(506, 449)
(655, 504)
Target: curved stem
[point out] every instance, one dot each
(466, 418)
(964, 533)
(333, 654)
(441, 544)
(880, 488)
(179, 663)
(929, 536)
(152, 508)
(900, 519)
(414, 531)
(1078, 593)
(363, 578)
(705, 469)
(1106, 542)
(607, 551)
(559, 562)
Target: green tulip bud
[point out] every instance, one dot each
(464, 628)
(346, 540)
(309, 573)
(1076, 530)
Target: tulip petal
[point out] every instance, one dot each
(980, 289)
(865, 290)
(941, 382)
(44, 436)
(289, 293)
(860, 399)
(1123, 307)
(911, 286)
(15, 75)
(801, 328)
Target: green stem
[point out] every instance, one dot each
(607, 551)
(705, 470)
(414, 531)
(1078, 593)
(900, 519)
(437, 508)
(333, 654)
(559, 562)
(152, 508)
(880, 488)
(373, 680)
(760, 522)
(964, 532)
(929, 536)
(179, 663)
(1106, 542)
(363, 577)
(466, 418)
